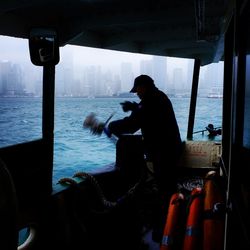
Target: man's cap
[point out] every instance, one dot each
(142, 80)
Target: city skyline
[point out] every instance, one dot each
(87, 71)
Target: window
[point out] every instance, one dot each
(20, 93)
(91, 80)
(209, 102)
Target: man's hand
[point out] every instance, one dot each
(91, 122)
(97, 128)
(129, 106)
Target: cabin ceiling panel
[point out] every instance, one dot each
(132, 26)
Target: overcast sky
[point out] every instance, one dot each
(17, 51)
(14, 49)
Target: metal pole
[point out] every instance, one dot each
(192, 107)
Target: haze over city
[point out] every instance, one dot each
(86, 71)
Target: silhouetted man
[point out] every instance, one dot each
(155, 116)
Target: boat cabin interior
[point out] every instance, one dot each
(94, 211)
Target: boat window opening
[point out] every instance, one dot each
(20, 94)
(89, 80)
(96, 80)
(208, 116)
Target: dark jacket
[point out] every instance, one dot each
(156, 119)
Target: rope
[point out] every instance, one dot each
(93, 181)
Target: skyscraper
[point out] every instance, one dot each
(127, 76)
(160, 72)
(146, 67)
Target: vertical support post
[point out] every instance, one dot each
(48, 115)
(192, 107)
(48, 101)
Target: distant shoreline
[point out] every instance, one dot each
(98, 97)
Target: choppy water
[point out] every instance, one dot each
(76, 149)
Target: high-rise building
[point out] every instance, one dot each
(10, 79)
(160, 72)
(127, 76)
(146, 67)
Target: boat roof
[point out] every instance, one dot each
(176, 28)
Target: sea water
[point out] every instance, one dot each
(75, 148)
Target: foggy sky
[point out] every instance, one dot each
(16, 50)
